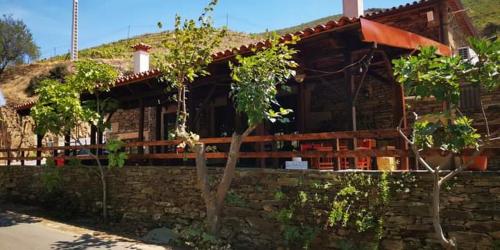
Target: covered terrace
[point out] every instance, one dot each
(346, 106)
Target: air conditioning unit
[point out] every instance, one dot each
(468, 54)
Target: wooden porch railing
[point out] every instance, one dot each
(164, 150)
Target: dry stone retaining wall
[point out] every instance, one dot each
(142, 198)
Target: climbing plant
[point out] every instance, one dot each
(354, 202)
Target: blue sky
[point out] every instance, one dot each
(103, 21)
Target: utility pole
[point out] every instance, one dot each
(128, 33)
(74, 32)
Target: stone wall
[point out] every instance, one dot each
(142, 198)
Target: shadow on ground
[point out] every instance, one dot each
(9, 218)
(83, 242)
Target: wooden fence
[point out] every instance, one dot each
(265, 147)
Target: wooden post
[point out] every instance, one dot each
(158, 127)
(259, 147)
(93, 136)
(443, 23)
(39, 139)
(301, 119)
(400, 113)
(21, 145)
(350, 89)
(140, 149)
(67, 139)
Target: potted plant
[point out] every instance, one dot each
(445, 136)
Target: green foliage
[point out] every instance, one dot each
(16, 42)
(196, 238)
(486, 71)
(59, 109)
(58, 202)
(190, 49)
(357, 205)
(482, 12)
(432, 132)
(91, 77)
(116, 156)
(233, 199)
(255, 80)
(50, 176)
(430, 75)
(188, 55)
(59, 73)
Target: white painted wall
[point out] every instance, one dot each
(352, 8)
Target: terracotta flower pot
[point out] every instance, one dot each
(480, 163)
(436, 157)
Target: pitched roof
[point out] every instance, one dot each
(303, 34)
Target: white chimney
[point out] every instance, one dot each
(353, 8)
(141, 57)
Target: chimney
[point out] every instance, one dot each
(353, 8)
(141, 57)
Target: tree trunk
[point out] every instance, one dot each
(436, 220)
(104, 194)
(215, 202)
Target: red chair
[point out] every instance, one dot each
(325, 163)
(361, 162)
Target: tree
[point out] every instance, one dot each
(254, 88)
(59, 110)
(426, 75)
(189, 54)
(16, 42)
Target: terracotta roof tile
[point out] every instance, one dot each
(223, 55)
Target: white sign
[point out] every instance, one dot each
(296, 165)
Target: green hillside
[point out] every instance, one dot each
(120, 50)
(485, 14)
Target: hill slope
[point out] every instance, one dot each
(484, 13)
(16, 80)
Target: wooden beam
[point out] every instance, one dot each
(39, 139)
(158, 117)
(399, 111)
(140, 149)
(67, 138)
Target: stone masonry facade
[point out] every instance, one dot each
(142, 198)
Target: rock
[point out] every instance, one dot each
(484, 227)
(160, 236)
(495, 235)
(400, 220)
(262, 225)
(392, 244)
(470, 240)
